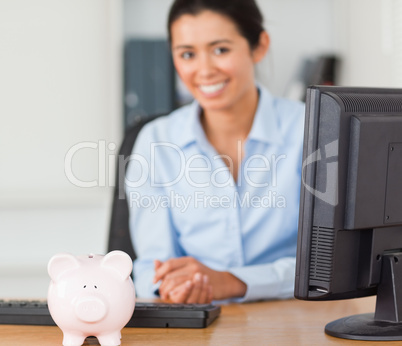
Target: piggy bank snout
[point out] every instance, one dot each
(90, 309)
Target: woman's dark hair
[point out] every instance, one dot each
(244, 13)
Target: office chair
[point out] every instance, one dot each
(119, 231)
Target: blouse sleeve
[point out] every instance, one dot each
(151, 229)
(268, 281)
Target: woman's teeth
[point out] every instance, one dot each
(212, 88)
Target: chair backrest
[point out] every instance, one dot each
(119, 231)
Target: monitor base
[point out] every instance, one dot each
(364, 327)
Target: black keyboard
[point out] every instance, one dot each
(154, 315)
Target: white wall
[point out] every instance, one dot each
(370, 42)
(298, 30)
(60, 85)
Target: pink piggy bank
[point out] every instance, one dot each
(91, 295)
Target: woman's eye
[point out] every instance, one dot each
(220, 50)
(187, 55)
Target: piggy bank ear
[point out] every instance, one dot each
(61, 263)
(118, 261)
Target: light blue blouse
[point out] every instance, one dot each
(183, 200)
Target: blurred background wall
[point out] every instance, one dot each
(60, 86)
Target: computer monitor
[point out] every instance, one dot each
(350, 224)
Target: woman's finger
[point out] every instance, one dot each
(203, 298)
(181, 293)
(169, 285)
(169, 266)
(194, 295)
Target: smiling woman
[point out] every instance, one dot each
(215, 47)
(216, 63)
(226, 244)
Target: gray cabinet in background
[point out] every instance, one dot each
(149, 79)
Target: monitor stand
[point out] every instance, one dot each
(386, 323)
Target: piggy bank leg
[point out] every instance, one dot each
(111, 339)
(70, 339)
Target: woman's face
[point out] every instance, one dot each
(213, 60)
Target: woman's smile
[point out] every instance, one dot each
(212, 90)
